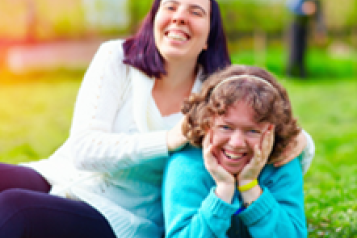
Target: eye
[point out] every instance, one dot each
(196, 13)
(225, 127)
(170, 7)
(254, 132)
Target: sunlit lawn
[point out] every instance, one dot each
(35, 118)
(327, 109)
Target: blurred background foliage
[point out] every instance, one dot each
(257, 29)
(48, 19)
(36, 107)
(53, 19)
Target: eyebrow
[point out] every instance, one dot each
(194, 6)
(248, 125)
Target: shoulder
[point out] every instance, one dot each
(282, 176)
(189, 155)
(112, 48)
(187, 163)
(116, 45)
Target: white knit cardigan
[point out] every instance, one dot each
(116, 151)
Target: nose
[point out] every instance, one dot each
(179, 17)
(237, 139)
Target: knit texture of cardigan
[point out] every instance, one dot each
(116, 151)
(192, 210)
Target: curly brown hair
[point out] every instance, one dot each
(269, 101)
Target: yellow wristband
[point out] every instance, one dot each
(248, 186)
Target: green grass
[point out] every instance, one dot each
(36, 113)
(319, 64)
(326, 106)
(328, 111)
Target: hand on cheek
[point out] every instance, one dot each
(225, 181)
(261, 154)
(175, 139)
(252, 170)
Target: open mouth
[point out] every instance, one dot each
(234, 156)
(177, 36)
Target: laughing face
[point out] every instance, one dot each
(234, 136)
(181, 28)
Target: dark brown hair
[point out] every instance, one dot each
(269, 101)
(140, 50)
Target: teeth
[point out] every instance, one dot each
(176, 36)
(233, 156)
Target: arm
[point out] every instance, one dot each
(279, 211)
(191, 207)
(304, 149)
(93, 144)
(307, 154)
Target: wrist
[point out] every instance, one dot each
(249, 190)
(246, 184)
(251, 195)
(225, 192)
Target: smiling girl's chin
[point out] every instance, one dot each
(234, 170)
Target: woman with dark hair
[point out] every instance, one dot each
(243, 119)
(105, 180)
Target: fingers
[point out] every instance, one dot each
(206, 140)
(175, 138)
(209, 159)
(207, 146)
(253, 168)
(267, 142)
(257, 155)
(260, 157)
(218, 173)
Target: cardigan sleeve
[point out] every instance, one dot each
(191, 208)
(279, 211)
(307, 154)
(93, 144)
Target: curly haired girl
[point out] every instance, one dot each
(243, 120)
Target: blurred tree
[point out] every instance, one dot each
(106, 13)
(31, 21)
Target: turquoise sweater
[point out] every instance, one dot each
(193, 210)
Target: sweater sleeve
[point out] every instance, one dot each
(191, 208)
(307, 154)
(93, 144)
(279, 211)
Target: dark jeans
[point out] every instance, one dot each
(28, 211)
